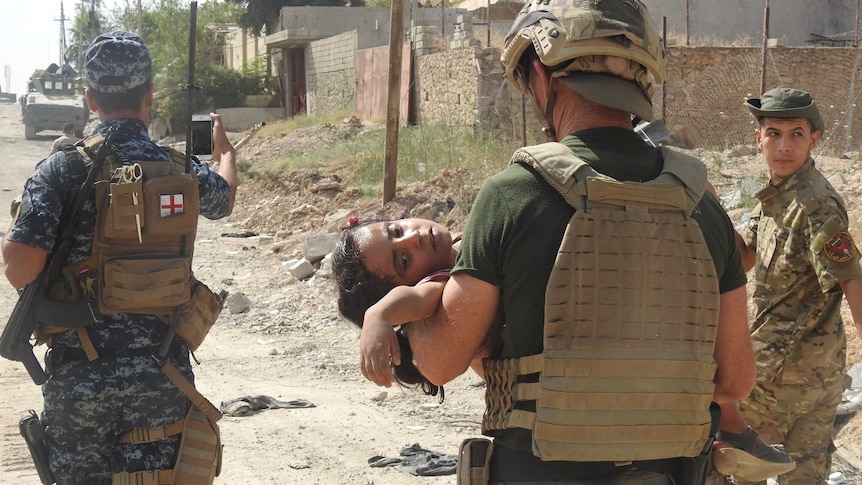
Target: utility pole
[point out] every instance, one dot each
(765, 48)
(393, 101)
(81, 45)
(687, 24)
(62, 47)
(856, 30)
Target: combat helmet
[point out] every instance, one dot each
(617, 38)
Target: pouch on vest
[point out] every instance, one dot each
(474, 457)
(198, 315)
(200, 457)
(139, 283)
(626, 373)
(125, 210)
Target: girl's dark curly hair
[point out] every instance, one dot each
(358, 290)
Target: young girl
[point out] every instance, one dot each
(391, 273)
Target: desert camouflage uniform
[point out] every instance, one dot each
(799, 231)
(89, 404)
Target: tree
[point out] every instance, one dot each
(87, 24)
(264, 13)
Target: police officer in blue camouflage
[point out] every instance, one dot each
(804, 260)
(88, 405)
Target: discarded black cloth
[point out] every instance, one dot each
(416, 460)
(239, 234)
(248, 404)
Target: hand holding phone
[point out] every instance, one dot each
(202, 136)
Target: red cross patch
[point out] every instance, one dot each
(171, 205)
(841, 248)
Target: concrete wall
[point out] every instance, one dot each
(727, 21)
(241, 48)
(319, 22)
(704, 95)
(330, 73)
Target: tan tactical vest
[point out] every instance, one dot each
(143, 245)
(151, 275)
(631, 309)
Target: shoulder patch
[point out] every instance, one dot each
(841, 248)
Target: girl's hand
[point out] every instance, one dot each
(378, 351)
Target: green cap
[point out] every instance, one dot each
(786, 103)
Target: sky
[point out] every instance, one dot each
(30, 37)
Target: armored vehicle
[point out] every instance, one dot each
(54, 98)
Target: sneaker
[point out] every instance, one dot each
(748, 458)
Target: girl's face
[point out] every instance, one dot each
(406, 250)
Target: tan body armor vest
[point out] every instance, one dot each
(631, 309)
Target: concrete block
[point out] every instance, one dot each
(299, 269)
(316, 246)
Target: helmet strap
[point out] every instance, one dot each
(549, 130)
(546, 116)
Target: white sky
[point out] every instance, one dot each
(30, 37)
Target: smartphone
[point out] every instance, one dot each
(202, 137)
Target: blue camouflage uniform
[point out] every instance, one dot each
(88, 405)
(799, 230)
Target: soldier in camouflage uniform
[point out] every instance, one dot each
(805, 259)
(88, 405)
(588, 67)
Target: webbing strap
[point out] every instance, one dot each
(146, 477)
(622, 193)
(149, 435)
(145, 295)
(87, 344)
(140, 280)
(189, 390)
(519, 418)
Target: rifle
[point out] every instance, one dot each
(15, 340)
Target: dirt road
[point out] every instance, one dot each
(289, 345)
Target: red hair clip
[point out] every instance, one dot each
(352, 222)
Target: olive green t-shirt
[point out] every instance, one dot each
(517, 223)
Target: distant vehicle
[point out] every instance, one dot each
(7, 97)
(54, 98)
